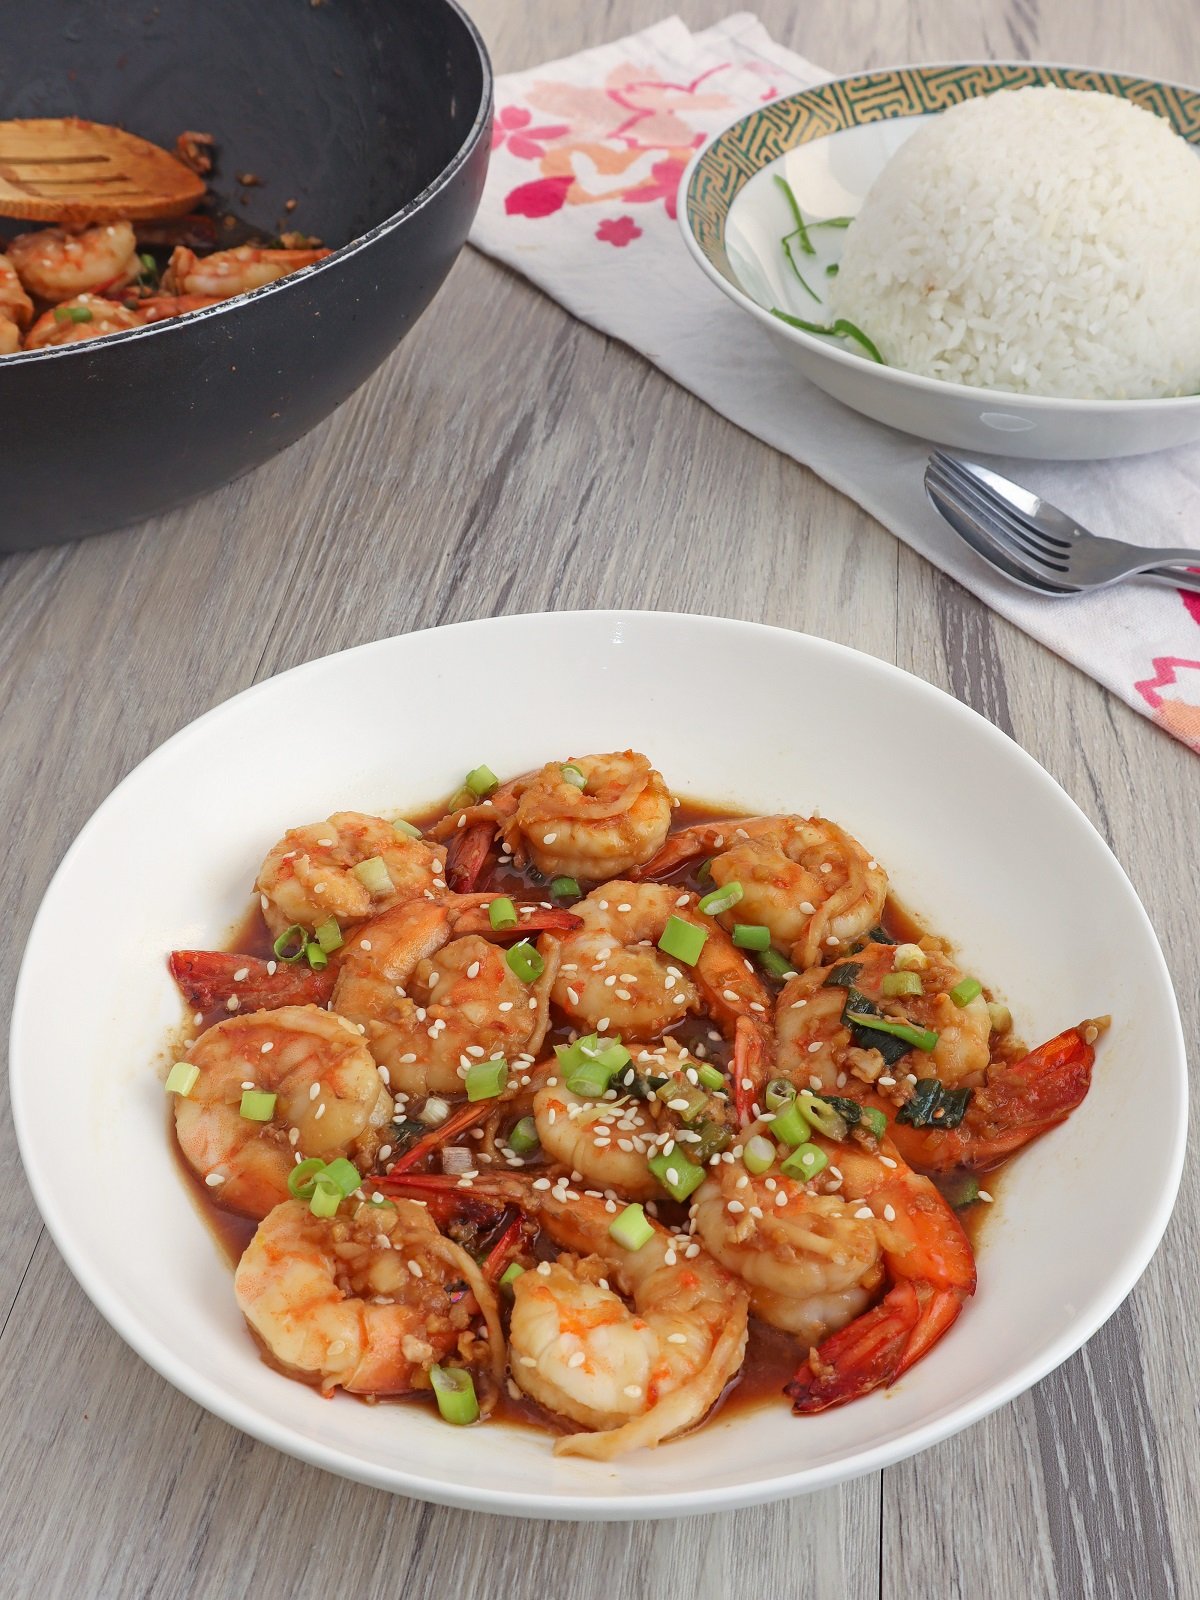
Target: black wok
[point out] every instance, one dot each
(373, 115)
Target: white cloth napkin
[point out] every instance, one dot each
(580, 198)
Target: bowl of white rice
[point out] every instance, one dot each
(997, 257)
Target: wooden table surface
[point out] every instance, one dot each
(484, 469)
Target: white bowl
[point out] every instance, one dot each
(831, 143)
(976, 836)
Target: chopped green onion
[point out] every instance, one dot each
(329, 935)
(919, 1038)
(325, 1199)
(454, 1391)
(711, 1077)
(683, 940)
(875, 1120)
(317, 959)
(181, 1079)
(897, 983)
(302, 1179)
(486, 1079)
(758, 1154)
(257, 1105)
(342, 1175)
(613, 1056)
(777, 965)
(791, 1125)
(575, 777)
(502, 913)
(960, 1190)
(630, 1228)
(523, 1137)
(148, 263)
(407, 829)
(683, 1097)
(932, 1105)
(840, 328)
(805, 1162)
(963, 993)
(510, 1274)
(678, 1176)
(751, 936)
(723, 898)
(910, 958)
(374, 876)
(704, 870)
(791, 261)
(282, 946)
(481, 781)
(824, 1118)
(580, 1050)
(780, 1093)
(72, 314)
(806, 243)
(565, 889)
(524, 960)
(712, 1136)
(590, 1081)
(831, 271)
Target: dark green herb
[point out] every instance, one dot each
(960, 1190)
(839, 329)
(800, 231)
(932, 1105)
(843, 976)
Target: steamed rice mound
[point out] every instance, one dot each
(1043, 241)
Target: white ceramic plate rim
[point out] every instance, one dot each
(898, 375)
(581, 1506)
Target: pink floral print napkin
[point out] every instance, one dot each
(586, 163)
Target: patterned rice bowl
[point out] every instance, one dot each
(830, 143)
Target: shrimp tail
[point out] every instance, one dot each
(1016, 1105)
(751, 1066)
(680, 849)
(539, 920)
(876, 1348)
(466, 854)
(211, 978)
(468, 1115)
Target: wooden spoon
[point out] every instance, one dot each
(65, 170)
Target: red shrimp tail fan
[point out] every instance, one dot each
(875, 1349)
(211, 978)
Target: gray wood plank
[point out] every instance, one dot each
(508, 459)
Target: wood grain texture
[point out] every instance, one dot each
(508, 459)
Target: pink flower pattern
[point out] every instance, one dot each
(512, 130)
(618, 230)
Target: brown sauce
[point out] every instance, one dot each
(771, 1356)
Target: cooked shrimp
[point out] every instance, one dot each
(230, 272)
(329, 1102)
(15, 305)
(609, 1141)
(929, 1262)
(87, 316)
(818, 1050)
(361, 1301)
(210, 978)
(600, 828)
(309, 875)
(57, 265)
(432, 994)
(1018, 1102)
(160, 307)
(815, 1255)
(805, 878)
(634, 1345)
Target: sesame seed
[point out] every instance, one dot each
(729, 994)
(735, 1206)
(415, 1268)
(215, 1179)
(889, 1213)
(670, 1257)
(863, 1213)
(385, 1077)
(677, 1338)
(549, 838)
(232, 1003)
(633, 1390)
(780, 1198)
(541, 1183)
(602, 1025)
(814, 1047)
(473, 970)
(241, 975)
(293, 1136)
(624, 906)
(887, 1161)
(985, 1197)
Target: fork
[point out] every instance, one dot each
(1033, 542)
